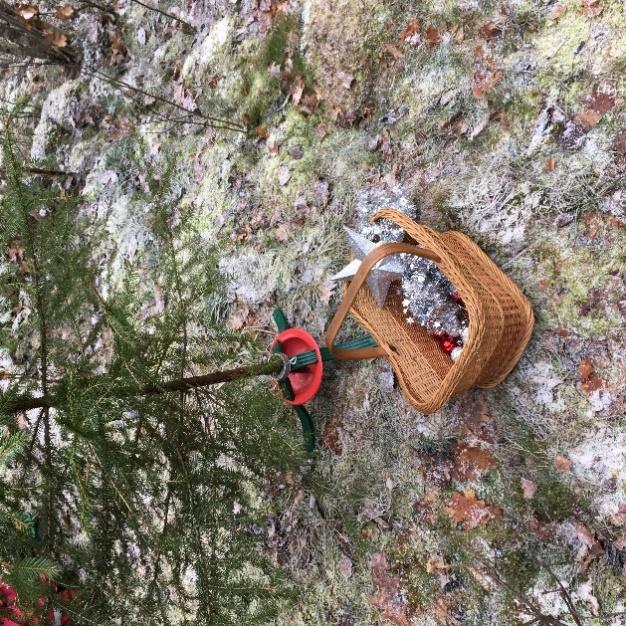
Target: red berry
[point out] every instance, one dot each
(35, 620)
(41, 602)
(65, 619)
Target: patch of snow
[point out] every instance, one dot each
(600, 460)
(545, 381)
(600, 400)
(204, 55)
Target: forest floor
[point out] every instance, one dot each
(505, 121)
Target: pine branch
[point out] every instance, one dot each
(11, 445)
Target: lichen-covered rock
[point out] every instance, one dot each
(57, 115)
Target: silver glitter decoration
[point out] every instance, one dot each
(429, 298)
(368, 201)
(427, 293)
(382, 274)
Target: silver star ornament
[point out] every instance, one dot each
(381, 276)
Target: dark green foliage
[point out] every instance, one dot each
(147, 505)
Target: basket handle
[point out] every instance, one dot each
(367, 264)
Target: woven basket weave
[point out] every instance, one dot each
(499, 327)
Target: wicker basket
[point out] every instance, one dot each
(500, 319)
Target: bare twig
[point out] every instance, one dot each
(564, 593)
(187, 25)
(212, 120)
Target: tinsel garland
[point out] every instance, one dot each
(428, 297)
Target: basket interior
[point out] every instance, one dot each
(416, 356)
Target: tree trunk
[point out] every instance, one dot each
(272, 366)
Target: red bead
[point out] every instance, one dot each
(7, 595)
(448, 345)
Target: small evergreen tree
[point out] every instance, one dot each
(141, 501)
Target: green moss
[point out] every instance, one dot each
(554, 499)
(578, 278)
(260, 85)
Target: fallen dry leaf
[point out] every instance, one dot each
(590, 548)
(558, 10)
(436, 563)
(394, 51)
(529, 488)
(409, 33)
(238, 319)
(282, 232)
(118, 47)
(587, 119)
(545, 531)
(484, 80)
(64, 11)
(432, 36)
(57, 39)
(322, 130)
(465, 509)
(387, 586)
(550, 165)
(600, 101)
(489, 30)
(591, 8)
(27, 11)
(470, 461)
(588, 378)
(562, 463)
